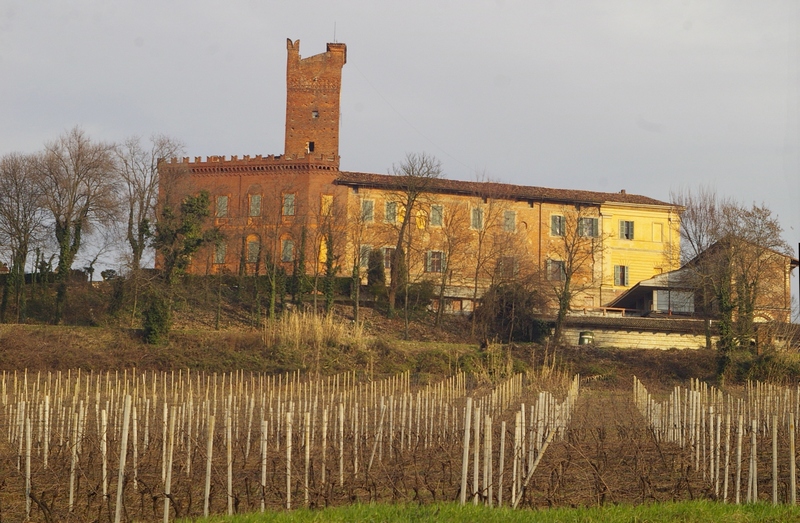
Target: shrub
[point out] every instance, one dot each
(376, 275)
(774, 367)
(156, 319)
(506, 313)
(419, 295)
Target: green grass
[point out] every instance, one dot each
(686, 512)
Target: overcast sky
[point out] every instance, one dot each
(597, 95)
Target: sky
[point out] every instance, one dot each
(650, 97)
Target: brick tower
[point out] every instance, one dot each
(312, 102)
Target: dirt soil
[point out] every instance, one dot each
(609, 455)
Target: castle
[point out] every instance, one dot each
(464, 237)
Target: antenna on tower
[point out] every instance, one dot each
(334, 32)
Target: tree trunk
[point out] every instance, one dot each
(356, 290)
(440, 309)
(396, 270)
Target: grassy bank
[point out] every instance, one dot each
(330, 345)
(307, 343)
(686, 512)
(295, 342)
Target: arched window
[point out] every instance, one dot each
(253, 248)
(287, 250)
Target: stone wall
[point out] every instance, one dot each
(639, 339)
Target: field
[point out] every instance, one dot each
(196, 443)
(392, 429)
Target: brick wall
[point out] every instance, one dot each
(313, 85)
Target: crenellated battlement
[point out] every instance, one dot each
(216, 164)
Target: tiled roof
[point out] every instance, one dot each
(498, 190)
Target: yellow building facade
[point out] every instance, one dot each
(641, 241)
(473, 235)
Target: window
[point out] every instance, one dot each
(589, 227)
(255, 205)
(509, 221)
(507, 267)
(477, 219)
(310, 147)
(288, 204)
(557, 225)
(388, 252)
(222, 206)
(437, 215)
(253, 248)
(314, 114)
(219, 252)
(367, 210)
(363, 255)
(674, 301)
(287, 251)
(621, 276)
(556, 270)
(390, 212)
(326, 205)
(323, 250)
(434, 261)
(625, 230)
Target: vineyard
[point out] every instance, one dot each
(153, 446)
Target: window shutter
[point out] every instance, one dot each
(589, 227)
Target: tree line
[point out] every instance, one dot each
(76, 188)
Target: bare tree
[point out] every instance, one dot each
(326, 238)
(99, 246)
(416, 174)
(752, 243)
(488, 224)
(735, 257)
(76, 177)
(575, 245)
(279, 223)
(699, 230)
(21, 223)
(358, 236)
(700, 220)
(137, 167)
(453, 239)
